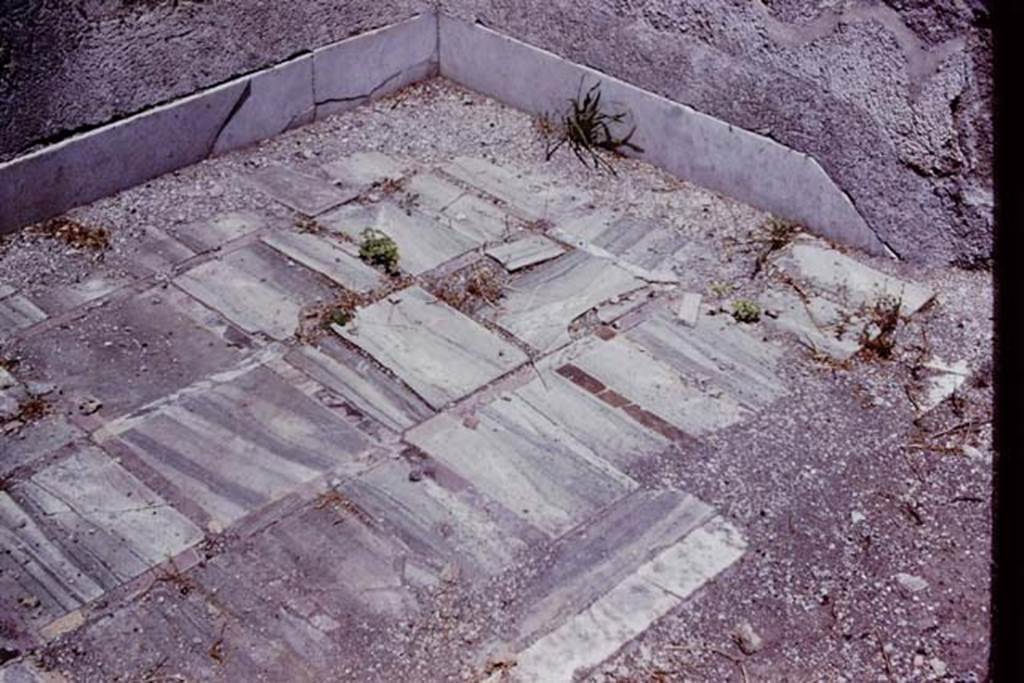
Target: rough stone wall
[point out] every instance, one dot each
(69, 65)
(892, 98)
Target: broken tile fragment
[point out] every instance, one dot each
(442, 354)
(18, 312)
(525, 251)
(687, 308)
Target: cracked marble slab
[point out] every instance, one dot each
(256, 289)
(440, 353)
(525, 251)
(539, 305)
(83, 526)
(267, 437)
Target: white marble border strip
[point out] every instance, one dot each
(229, 116)
(681, 140)
(691, 145)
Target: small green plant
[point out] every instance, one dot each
(339, 317)
(879, 334)
(746, 311)
(777, 233)
(720, 290)
(379, 251)
(588, 130)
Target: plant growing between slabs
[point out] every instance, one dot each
(379, 250)
(588, 130)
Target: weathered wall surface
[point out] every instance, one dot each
(892, 98)
(72, 65)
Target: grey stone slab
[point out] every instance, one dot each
(159, 252)
(213, 232)
(35, 440)
(136, 351)
(423, 242)
(361, 383)
(363, 169)
(17, 312)
(277, 99)
(528, 195)
(122, 154)
(478, 218)
(456, 524)
(627, 610)
(817, 323)
(692, 145)
(531, 465)
(67, 297)
(851, 283)
(654, 385)
(325, 256)
(240, 443)
(641, 242)
(595, 424)
(440, 353)
(619, 306)
(351, 72)
(102, 527)
(300, 191)
(526, 251)
(601, 554)
(6, 290)
(716, 353)
(540, 305)
(256, 289)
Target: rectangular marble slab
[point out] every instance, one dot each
(440, 353)
(423, 242)
(850, 282)
(325, 256)
(455, 523)
(17, 312)
(241, 442)
(528, 195)
(213, 232)
(256, 289)
(817, 323)
(358, 381)
(300, 191)
(658, 387)
(363, 169)
(528, 463)
(525, 251)
(539, 306)
(87, 526)
(717, 352)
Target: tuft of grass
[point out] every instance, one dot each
(776, 234)
(879, 334)
(308, 225)
(379, 250)
(465, 291)
(588, 130)
(720, 290)
(746, 311)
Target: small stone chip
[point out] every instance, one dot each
(747, 639)
(911, 583)
(89, 405)
(471, 422)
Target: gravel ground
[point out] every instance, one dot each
(869, 526)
